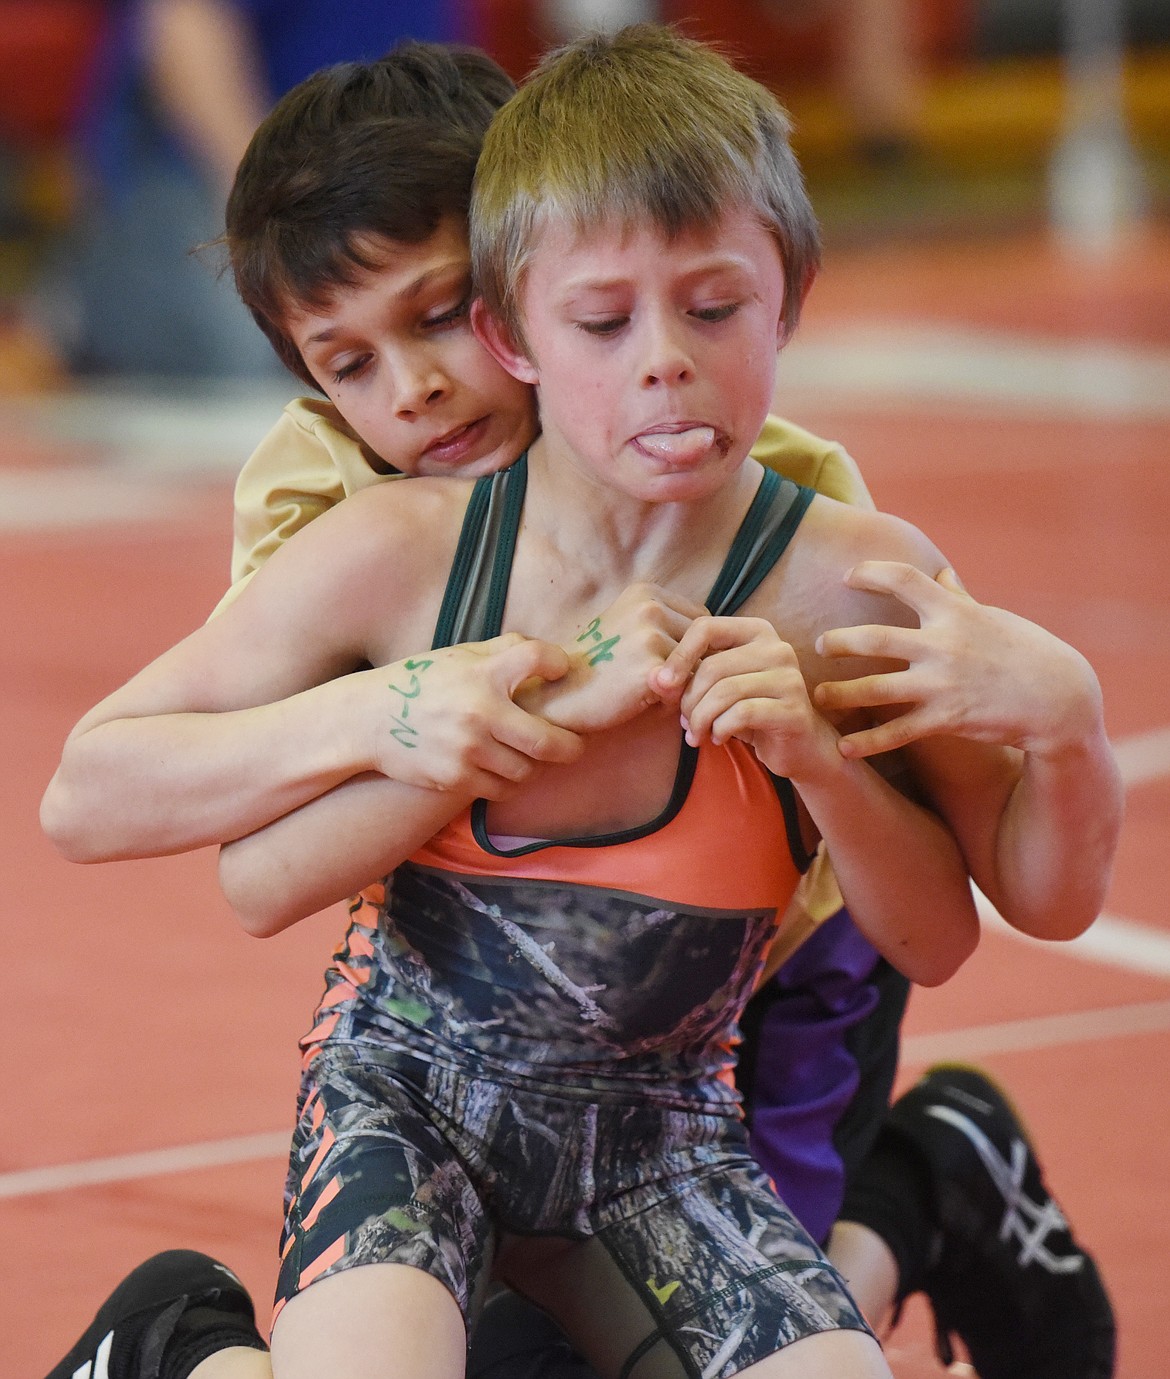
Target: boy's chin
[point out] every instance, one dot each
(470, 455)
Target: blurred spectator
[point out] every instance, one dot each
(879, 71)
(876, 54)
(877, 68)
(178, 88)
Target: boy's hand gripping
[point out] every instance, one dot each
(972, 671)
(447, 720)
(613, 658)
(736, 677)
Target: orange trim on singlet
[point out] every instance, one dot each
(353, 976)
(324, 1197)
(325, 1260)
(322, 1029)
(326, 1143)
(725, 849)
(359, 945)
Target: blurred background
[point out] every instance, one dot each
(121, 124)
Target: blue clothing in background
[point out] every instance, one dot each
(123, 295)
(294, 38)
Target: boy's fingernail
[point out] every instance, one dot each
(819, 644)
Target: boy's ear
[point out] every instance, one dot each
(499, 344)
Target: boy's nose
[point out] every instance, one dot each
(666, 358)
(419, 389)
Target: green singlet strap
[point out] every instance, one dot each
(762, 539)
(477, 587)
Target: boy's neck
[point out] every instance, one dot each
(600, 524)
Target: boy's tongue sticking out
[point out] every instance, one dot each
(678, 447)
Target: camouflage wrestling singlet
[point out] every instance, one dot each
(521, 1064)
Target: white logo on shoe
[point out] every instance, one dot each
(1026, 1221)
(99, 1366)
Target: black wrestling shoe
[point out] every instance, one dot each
(174, 1310)
(1008, 1278)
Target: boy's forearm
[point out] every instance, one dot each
(151, 786)
(900, 871)
(1039, 822)
(329, 849)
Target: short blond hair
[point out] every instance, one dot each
(640, 124)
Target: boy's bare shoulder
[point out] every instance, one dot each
(833, 532)
(810, 589)
(386, 549)
(392, 523)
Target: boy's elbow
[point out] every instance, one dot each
(68, 825)
(940, 963)
(1061, 908)
(934, 973)
(1058, 924)
(256, 918)
(260, 906)
(258, 921)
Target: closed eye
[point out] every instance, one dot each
(352, 369)
(459, 312)
(610, 326)
(716, 313)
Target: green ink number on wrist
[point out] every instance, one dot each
(404, 733)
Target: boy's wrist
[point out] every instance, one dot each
(1074, 726)
(1069, 751)
(360, 721)
(823, 768)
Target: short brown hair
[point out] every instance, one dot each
(361, 150)
(641, 123)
